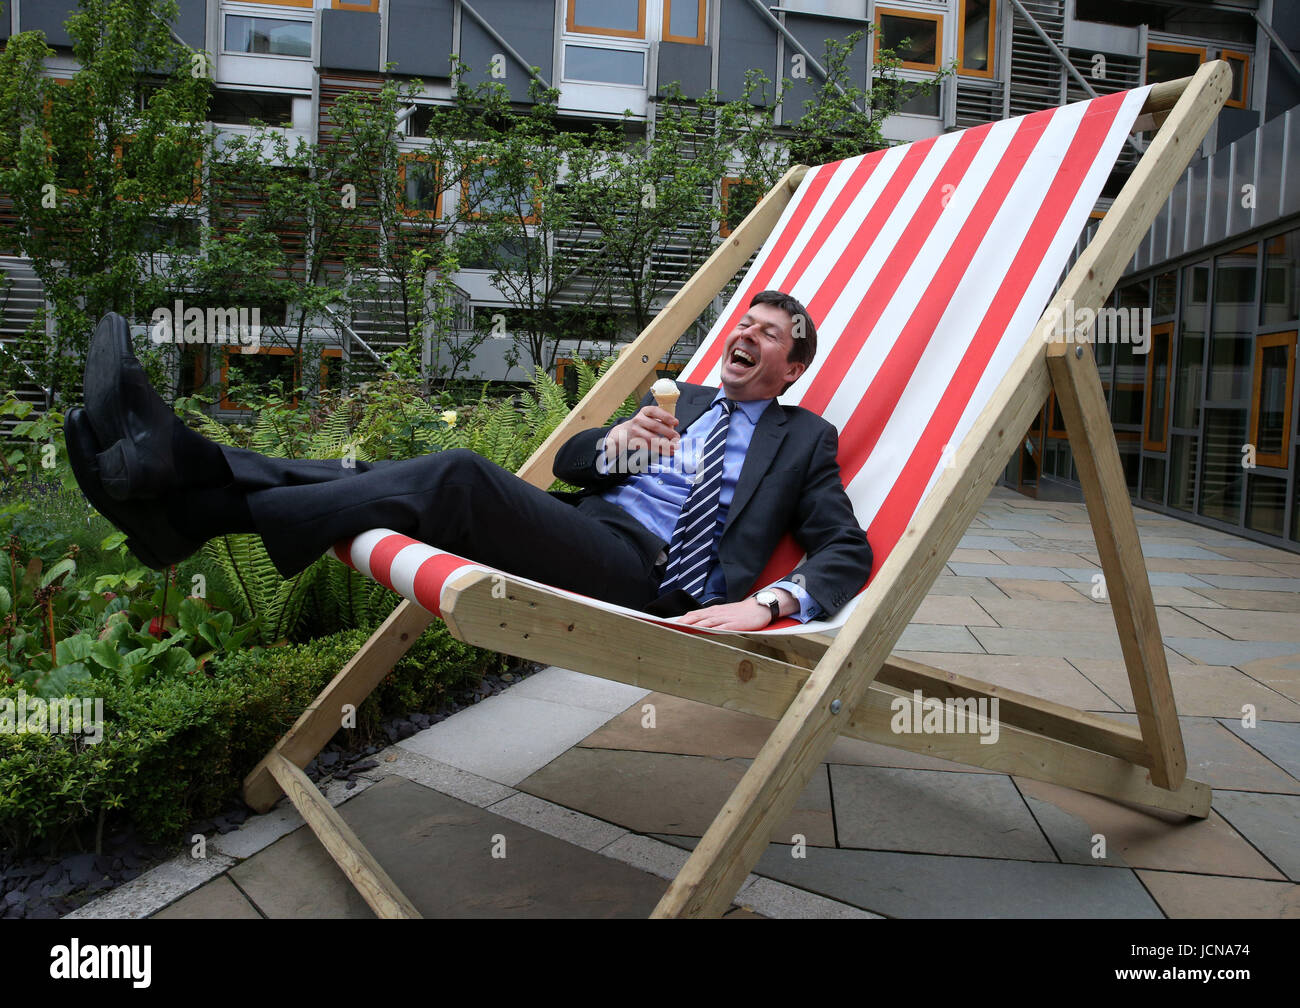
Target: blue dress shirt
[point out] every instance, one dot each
(656, 492)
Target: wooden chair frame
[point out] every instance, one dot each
(816, 688)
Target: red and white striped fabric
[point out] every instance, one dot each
(925, 268)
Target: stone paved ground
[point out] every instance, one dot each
(592, 809)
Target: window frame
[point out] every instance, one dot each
(361, 6)
(1264, 341)
(475, 215)
(1173, 47)
(1148, 443)
(935, 16)
(255, 15)
(702, 38)
(226, 403)
(992, 41)
(1230, 55)
(571, 24)
(405, 158)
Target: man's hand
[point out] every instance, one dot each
(748, 614)
(651, 433)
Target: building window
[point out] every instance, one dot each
(272, 370)
(1280, 300)
(485, 195)
(914, 97)
(624, 18)
(915, 38)
(267, 36)
(1232, 326)
(1158, 384)
(739, 197)
(588, 64)
(420, 182)
(241, 108)
(1270, 428)
(1167, 62)
(357, 5)
(976, 32)
(684, 21)
(1240, 63)
(309, 4)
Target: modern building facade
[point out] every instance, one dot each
(1202, 391)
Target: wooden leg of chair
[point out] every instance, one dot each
(1092, 444)
(361, 869)
(354, 682)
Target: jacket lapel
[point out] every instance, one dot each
(769, 432)
(694, 402)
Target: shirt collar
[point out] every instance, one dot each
(752, 408)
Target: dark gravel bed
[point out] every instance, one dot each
(51, 886)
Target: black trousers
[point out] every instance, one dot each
(454, 500)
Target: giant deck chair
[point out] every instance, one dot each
(928, 268)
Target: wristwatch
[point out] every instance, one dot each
(769, 599)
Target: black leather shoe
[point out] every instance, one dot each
(128, 417)
(150, 534)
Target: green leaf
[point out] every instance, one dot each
(64, 566)
(74, 649)
(112, 541)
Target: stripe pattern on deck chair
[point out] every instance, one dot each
(925, 268)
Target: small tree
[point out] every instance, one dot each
(94, 165)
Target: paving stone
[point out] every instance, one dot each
(1199, 690)
(1033, 523)
(776, 900)
(1193, 897)
(449, 780)
(960, 555)
(1217, 757)
(933, 886)
(684, 727)
(1040, 558)
(1155, 547)
(1103, 641)
(1046, 591)
(1051, 678)
(1281, 673)
(1236, 598)
(951, 610)
(1273, 584)
(505, 738)
(1267, 821)
(574, 689)
(1279, 742)
(662, 793)
(1229, 652)
(1291, 570)
(438, 852)
(219, 899)
(1143, 837)
(1244, 549)
(557, 821)
(972, 587)
(924, 811)
(983, 542)
(1024, 572)
(951, 639)
(1219, 565)
(1248, 625)
(1085, 575)
(1030, 614)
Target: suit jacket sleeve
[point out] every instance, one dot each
(575, 462)
(839, 558)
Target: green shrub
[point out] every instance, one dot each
(177, 749)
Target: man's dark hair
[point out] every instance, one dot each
(804, 347)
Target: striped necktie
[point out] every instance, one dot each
(690, 554)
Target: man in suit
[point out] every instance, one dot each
(771, 469)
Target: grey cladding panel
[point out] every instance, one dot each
(419, 37)
(1198, 186)
(1216, 221)
(1242, 218)
(747, 42)
(1290, 188)
(1178, 219)
(691, 66)
(814, 33)
(1272, 144)
(349, 40)
(528, 25)
(1235, 123)
(47, 16)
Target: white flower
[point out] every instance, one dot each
(449, 417)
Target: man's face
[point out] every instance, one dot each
(755, 360)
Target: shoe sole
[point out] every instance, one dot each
(123, 473)
(149, 534)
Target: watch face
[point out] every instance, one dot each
(766, 597)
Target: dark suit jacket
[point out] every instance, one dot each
(790, 482)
